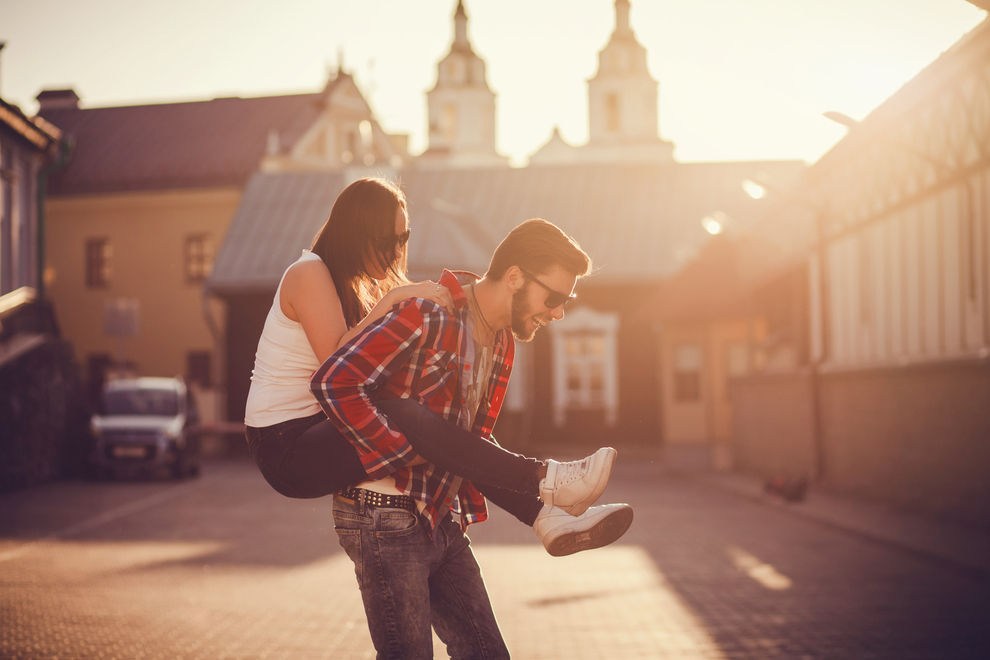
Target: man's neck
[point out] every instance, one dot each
(497, 311)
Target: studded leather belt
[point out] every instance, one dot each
(373, 498)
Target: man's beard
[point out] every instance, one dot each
(519, 316)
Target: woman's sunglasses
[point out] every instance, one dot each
(554, 298)
(390, 243)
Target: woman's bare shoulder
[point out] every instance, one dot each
(308, 272)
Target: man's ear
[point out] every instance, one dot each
(514, 278)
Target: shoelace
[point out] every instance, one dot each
(572, 471)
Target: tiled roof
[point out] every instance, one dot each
(637, 222)
(38, 132)
(175, 145)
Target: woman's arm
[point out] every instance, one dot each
(428, 290)
(309, 297)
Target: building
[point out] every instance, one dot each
(623, 108)
(42, 416)
(29, 151)
(888, 398)
(153, 192)
(138, 213)
(635, 209)
(461, 108)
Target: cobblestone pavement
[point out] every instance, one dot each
(222, 567)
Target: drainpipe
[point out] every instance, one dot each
(817, 420)
(64, 148)
(220, 348)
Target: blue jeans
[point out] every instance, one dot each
(411, 580)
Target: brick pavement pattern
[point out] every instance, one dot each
(222, 567)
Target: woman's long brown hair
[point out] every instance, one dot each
(362, 215)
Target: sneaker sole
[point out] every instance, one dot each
(605, 531)
(580, 507)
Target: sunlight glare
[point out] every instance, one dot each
(764, 573)
(714, 223)
(538, 596)
(754, 189)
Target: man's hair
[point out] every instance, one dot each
(536, 245)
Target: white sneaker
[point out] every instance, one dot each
(575, 485)
(564, 534)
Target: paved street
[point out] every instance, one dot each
(222, 567)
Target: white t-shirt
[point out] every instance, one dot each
(283, 366)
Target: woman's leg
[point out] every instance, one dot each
(467, 455)
(305, 457)
(523, 507)
(310, 458)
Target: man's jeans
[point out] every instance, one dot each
(410, 580)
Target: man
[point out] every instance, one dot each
(412, 559)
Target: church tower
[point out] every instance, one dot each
(623, 100)
(461, 108)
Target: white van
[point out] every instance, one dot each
(146, 423)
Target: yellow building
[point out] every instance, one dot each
(136, 217)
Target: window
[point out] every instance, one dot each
(687, 373)
(199, 257)
(448, 121)
(586, 357)
(198, 368)
(99, 262)
(612, 123)
(585, 365)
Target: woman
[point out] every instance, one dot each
(323, 300)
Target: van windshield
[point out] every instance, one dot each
(141, 402)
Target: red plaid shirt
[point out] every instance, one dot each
(417, 350)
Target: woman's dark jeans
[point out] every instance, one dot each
(309, 457)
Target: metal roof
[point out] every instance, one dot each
(637, 222)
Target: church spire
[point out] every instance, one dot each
(461, 106)
(623, 104)
(460, 28)
(622, 26)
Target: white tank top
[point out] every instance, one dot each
(283, 366)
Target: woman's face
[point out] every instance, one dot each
(392, 245)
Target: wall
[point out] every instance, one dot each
(147, 233)
(43, 419)
(915, 437)
(772, 430)
(709, 418)
(918, 437)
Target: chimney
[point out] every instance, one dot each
(57, 99)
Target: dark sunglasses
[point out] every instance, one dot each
(554, 298)
(390, 243)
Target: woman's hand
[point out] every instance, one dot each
(427, 289)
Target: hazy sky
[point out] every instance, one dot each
(739, 79)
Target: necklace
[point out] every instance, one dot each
(481, 314)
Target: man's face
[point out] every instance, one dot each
(529, 309)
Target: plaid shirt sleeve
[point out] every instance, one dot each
(343, 383)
